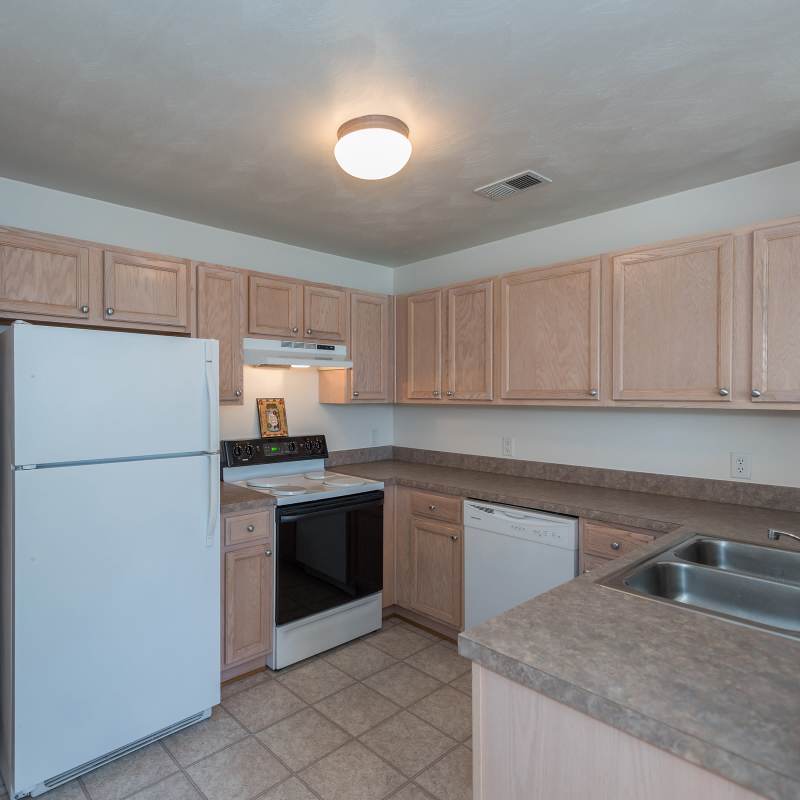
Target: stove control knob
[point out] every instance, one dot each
(248, 451)
(237, 451)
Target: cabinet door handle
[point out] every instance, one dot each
(295, 329)
(454, 538)
(110, 312)
(436, 392)
(268, 552)
(450, 393)
(615, 545)
(251, 528)
(593, 393)
(84, 309)
(755, 393)
(309, 331)
(238, 393)
(355, 394)
(723, 392)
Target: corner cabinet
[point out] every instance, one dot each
(371, 378)
(673, 322)
(423, 346)
(550, 333)
(220, 293)
(247, 582)
(776, 315)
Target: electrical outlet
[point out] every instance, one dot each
(508, 446)
(740, 466)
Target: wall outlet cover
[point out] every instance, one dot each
(508, 446)
(740, 466)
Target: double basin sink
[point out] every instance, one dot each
(746, 583)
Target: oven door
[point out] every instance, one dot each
(330, 552)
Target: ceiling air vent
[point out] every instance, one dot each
(512, 185)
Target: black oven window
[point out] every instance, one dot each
(329, 553)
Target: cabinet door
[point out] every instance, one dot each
(219, 302)
(324, 313)
(424, 347)
(672, 322)
(437, 564)
(43, 276)
(370, 348)
(776, 315)
(146, 291)
(248, 603)
(469, 341)
(550, 333)
(275, 306)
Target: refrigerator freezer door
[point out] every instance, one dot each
(82, 395)
(117, 615)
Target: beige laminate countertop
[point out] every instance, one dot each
(720, 695)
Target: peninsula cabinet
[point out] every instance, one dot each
(423, 345)
(246, 591)
(673, 322)
(146, 290)
(371, 378)
(469, 341)
(43, 278)
(550, 333)
(219, 316)
(776, 314)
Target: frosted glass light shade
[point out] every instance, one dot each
(373, 147)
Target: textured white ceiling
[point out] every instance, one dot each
(226, 112)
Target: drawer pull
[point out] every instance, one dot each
(615, 545)
(251, 528)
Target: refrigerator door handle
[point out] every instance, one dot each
(212, 387)
(213, 500)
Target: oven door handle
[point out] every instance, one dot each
(323, 512)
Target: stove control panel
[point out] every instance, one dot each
(246, 452)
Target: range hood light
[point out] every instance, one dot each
(300, 366)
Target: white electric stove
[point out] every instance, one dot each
(327, 543)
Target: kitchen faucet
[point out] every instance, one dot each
(774, 535)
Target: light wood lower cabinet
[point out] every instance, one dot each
(430, 560)
(529, 747)
(219, 316)
(43, 277)
(146, 290)
(673, 322)
(776, 315)
(600, 543)
(247, 581)
(550, 333)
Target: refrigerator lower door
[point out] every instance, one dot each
(83, 395)
(117, 608)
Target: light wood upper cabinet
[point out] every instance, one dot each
(437, 559)
(146, 290)
(43, 277)
(219, 316)
(275, 307)
(248, 604)
(324, 313)
(424, 346)
(776, 315)
(370, 346)
(550, 333)
(470, 329)
(672, 322)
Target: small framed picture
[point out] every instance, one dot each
(272, 417)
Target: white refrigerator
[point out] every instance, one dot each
(109, 546)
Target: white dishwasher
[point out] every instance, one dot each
(511, 555)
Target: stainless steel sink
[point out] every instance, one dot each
(764, 562)
(738, 582)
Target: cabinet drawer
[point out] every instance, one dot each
(608, 542)
(248, 527)
(436, 506)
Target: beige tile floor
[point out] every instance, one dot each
(387, 716)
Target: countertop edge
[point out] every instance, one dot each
(724, 763)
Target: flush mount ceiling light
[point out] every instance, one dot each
(373, 147)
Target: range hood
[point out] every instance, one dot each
(287, 353)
